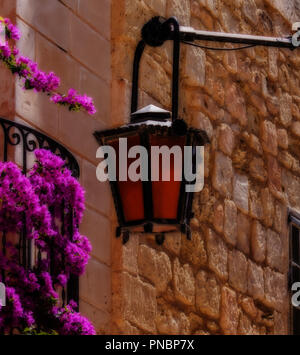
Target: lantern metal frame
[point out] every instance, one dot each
(143, 129)
(160, 123)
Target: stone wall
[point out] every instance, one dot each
(232, 277)
(71, 38)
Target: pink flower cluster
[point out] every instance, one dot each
(49, 204)
(36, 79)
(75, 101)
(11, 31)
(5, 50)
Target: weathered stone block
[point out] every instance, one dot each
(208, 295)
(258, 242)
(280, 323)
(295, 128)
(269, 137)
(287, 9)
(243, 238)
(173, 243)
(255, 144)
(275, 289)
(212, 5)
(193, 251)
(274, 173)
(291, 184)
(257, 169)
(181, 9)
(274, 250)
(226, 139)
(158, 86)
(236, 103)
(218, 218)
(202, 122)
(273, 63)
(256, 210)
(268, 206)
(286, 159)
(229, 312)
(241, 192)
(230, 222)
(134, 301)
(283, 139)
(170, 321)
(155, 266)
(285, 102)
(255, 281)
(217, 254)
(222, 174)
(184, 283)
(237, 266)
(280, 215)
(212, 326)
(249, 307)
(246, 327)
(195, 67)
(230, 62)
(249, 10)
(228, 20)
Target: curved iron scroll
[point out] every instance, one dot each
(17, 134)
(17, 142)
(155, 33)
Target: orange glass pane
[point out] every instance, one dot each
(131, 193)
(166, 194)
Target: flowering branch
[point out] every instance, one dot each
(42, 203)
(34, 78)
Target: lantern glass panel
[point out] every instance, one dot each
(131, 193)
(166, 194)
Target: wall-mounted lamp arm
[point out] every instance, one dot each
(155, 33)
(189, 34)
(158, 30)
(136, 74)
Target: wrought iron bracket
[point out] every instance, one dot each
(159, 30)
(155, 33)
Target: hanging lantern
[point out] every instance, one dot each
(154, 205)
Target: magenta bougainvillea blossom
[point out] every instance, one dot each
(75, 101)
(35, 79)
(11, 31)
(41, 204)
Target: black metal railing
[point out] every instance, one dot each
(17, 144)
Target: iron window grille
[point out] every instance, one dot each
(17, 143)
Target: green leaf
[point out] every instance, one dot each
(28, 86)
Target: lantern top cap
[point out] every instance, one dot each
(151, 111)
